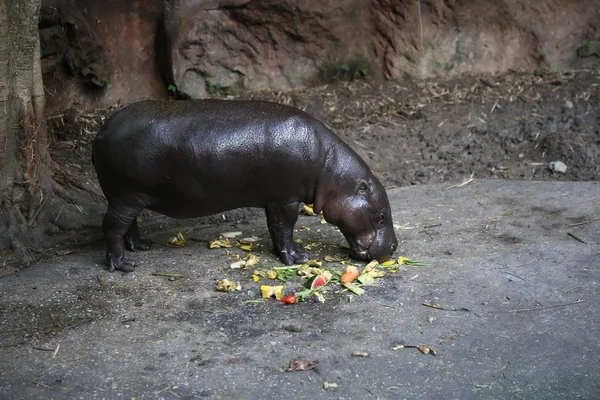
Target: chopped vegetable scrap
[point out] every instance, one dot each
(249, 261)
(265, 273)
(327, 385)
(408, 261)
(301, 365)
(249, 240)
(313, 271)
(308, 210)
(365, 279)
(284, 273)
(177, 240)
(270, 291)
(221, 241)
(231, 235)
(225, 241)
(349, 275)
(372, 271)
(226, 285)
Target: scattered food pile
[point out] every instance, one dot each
(313, 278)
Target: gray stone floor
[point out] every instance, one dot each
(519, 317)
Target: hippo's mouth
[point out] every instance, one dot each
(359, 252)
(371, 250)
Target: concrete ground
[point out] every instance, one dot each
(514, 275)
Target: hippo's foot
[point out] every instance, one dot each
(135, 244)
(121, 264)
(294, 255)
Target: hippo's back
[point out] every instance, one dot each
(153, 151)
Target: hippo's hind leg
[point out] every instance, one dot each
(116, 223)
(281, 221)
(133, 241)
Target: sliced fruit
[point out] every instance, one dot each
(269, 291)
(315, 282)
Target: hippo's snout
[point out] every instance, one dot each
(381, 247)
(384, 245)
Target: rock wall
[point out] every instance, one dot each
(279, 44)
(144, 48)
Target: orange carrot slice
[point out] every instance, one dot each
(349, 275)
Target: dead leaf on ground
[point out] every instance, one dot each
(63, 252)
(301, 365)
(426, 350)
(422, 349)
(226, 285)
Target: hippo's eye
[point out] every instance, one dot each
(379, 218)
(363, 188)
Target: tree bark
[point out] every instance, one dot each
(30, 200)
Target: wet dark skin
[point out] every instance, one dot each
(189, 159)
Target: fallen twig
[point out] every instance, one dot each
(463, 183)
(585, 222)
(168, 275)
(515, 275)
(56, 351)
(162, 390)
(431, 226)
(545, 307)
(575, 237)
(41, 384)
(42, 348)
(437, 307)
(488, 83)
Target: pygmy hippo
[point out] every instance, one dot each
(195, 158)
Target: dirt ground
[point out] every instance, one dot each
(502, 127)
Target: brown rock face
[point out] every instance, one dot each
(280, 44)
(204, 46)
(69, 44)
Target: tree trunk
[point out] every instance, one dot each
(31, 202)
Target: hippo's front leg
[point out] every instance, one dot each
(281, 221)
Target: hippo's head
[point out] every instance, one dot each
(362, 213)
